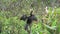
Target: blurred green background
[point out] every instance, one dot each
(47, 12)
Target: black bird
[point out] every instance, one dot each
(29, 20)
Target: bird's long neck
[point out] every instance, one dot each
(31, 13)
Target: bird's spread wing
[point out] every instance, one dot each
(23, 17)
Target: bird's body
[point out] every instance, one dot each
(29, 20)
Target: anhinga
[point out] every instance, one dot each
(29, 19)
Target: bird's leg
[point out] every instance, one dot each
(26, 27)
(29, 30)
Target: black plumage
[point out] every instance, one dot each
(29, 19)
(23, 17)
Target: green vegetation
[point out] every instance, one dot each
(14, 25)
(12, 10)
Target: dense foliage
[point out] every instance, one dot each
(12, 10)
